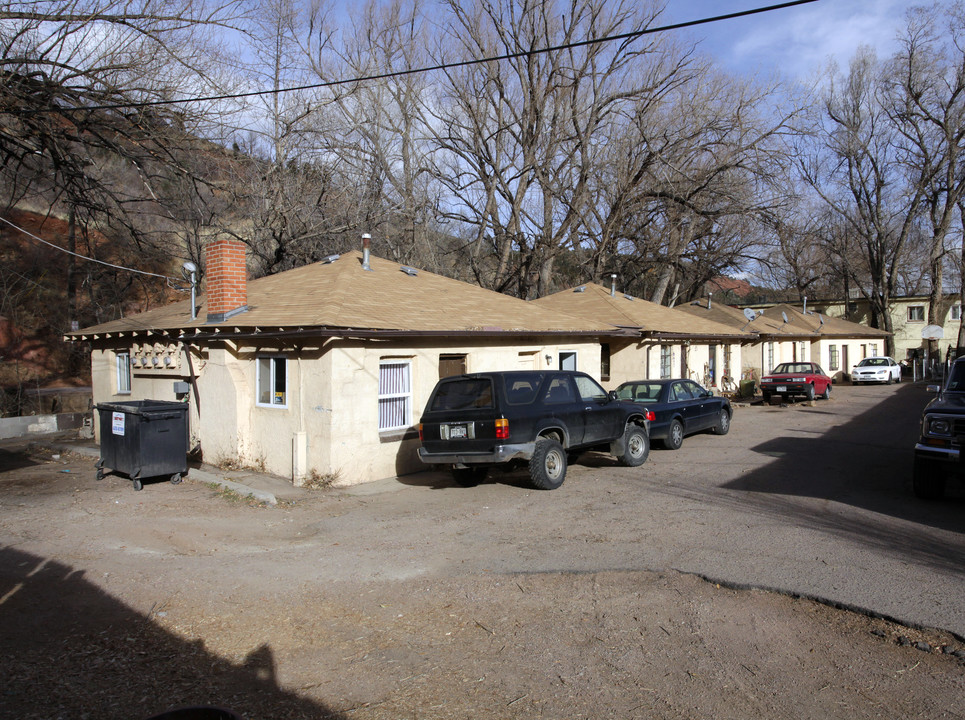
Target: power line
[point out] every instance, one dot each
(449, 66)
(84, 257)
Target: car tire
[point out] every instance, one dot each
(636, 446)
(826, 395)
(470, 476)
(547, 467)
(928, 479)
(675, 435)
(809, 392)
(723, 423)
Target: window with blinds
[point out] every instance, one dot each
(395, 394)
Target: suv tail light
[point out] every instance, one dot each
(650, 415)
(421, 438)
(502, 429)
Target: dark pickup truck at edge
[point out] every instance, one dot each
(473, 422)
(938, 452)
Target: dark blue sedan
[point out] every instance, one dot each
(680, 407)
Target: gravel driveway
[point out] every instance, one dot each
(628, 592)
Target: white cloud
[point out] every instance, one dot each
(795, 41)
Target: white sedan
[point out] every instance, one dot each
(876, 369)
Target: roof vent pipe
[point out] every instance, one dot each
(805, 310)
(710, 300)
(366, 238)
(613, 285)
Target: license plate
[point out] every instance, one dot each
(457, 431)
(781, 388)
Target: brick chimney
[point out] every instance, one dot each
(226, 278)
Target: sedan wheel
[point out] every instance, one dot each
(675, 436)
(809, 392)
(826, 395)
(723, 423)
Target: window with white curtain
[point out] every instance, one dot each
(395, 394)
(123, 373)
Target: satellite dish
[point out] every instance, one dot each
(784, 315)
(749, 314)
(932, 332)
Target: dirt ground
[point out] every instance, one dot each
(117, 604)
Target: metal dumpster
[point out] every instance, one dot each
(143, 439)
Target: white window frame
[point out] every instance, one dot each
(273, 361)
(769, 349)
(123, 363)
(916, 310)
(666, 361)
(955, 313)
(395, 394)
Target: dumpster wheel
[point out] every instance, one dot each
(138, 485)
(176, 478)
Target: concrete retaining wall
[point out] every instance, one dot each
(41, 424)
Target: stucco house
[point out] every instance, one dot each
(323, 371)
(786, 334)
(663, 341)
(909, 316)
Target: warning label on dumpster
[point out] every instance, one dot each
(117, 423)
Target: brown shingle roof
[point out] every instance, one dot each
(596, 302)
(342, 295)
(771, 322)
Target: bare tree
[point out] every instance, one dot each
(519, 133)
(858, 171)
(926, 94)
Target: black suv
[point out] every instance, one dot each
(473, 422)
(938, 451)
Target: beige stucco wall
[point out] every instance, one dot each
(755, 357)
(641, 360)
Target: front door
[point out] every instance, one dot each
(845, 365)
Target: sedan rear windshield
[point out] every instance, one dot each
(463, 394)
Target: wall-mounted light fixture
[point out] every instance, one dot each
(549, 359)
(189, 270)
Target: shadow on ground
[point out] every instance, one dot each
(71, 650)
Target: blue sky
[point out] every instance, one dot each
(796, 41)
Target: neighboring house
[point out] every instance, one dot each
(665, 342)
(323, 371)
(909, 316)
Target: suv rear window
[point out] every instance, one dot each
(521, 387)
(463, 394)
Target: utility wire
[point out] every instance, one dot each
(448, 66)
(84, 257)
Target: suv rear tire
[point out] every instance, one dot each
(547, 467)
